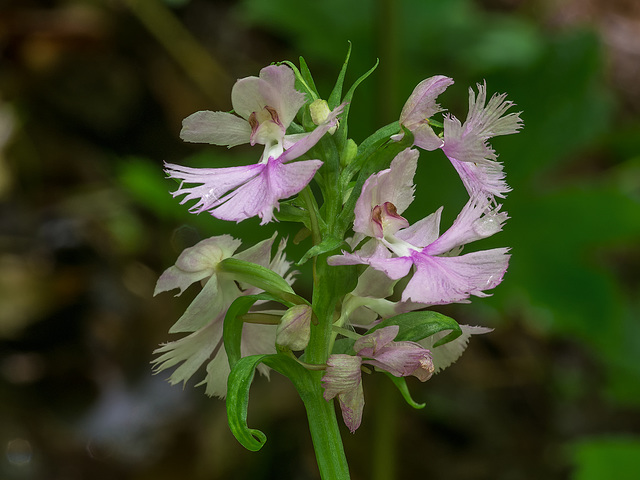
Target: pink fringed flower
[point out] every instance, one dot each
(400, 359)
(204, 317)
(466, 145)
(440, 275)
(267, 106)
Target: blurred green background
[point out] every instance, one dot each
(92, 94)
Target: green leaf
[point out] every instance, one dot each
(401, 384)
(328, 244)
(260, 277)
(301, 82)
(308, 78)
(336, 93)
(232, 326)
(415, 326)
(341, 134)
(238, 385)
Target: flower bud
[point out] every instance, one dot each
(319, 110)
(349, 152)
(294, 329)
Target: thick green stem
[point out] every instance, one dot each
(323, 423)
(327, 441)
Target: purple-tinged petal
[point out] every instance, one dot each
(212, 184)
(306, 143)
(260, 195)
(422, 105)
(378, 256)
(486, 178)
(196, 263)
(369, 345)
(217, 128)
(210, 302)
(423, 232)
(468, 142)
(402, 359)
(393, 185)
(282, 94)
(192, 351)
(443, 280)
(343, 379)
(447, 354)
(274, 88)
(478, 219)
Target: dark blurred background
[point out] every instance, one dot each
(92, 94)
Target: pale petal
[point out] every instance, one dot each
(443, 280)
(192, 351)
(422, 101)
(423, 232)
(447, 354)
(282, 94)
(478, 219)
(468, 142)
(211, 184)
(343, 379)
(394, 185)
(369, 345)
(217, 128)
(375, 254)
(210, 303)
(422, 105)
(260, 195)
(206, 254)
(307, 142)
(173, 278)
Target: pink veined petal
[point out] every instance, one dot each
(191, 351)
(394, 185)
(211, 184)
(281, 93)
(482, 178)
(402, 359)
(343, 379)
(369, 345)
(260, 195)
(247, 97)
(211, 301)
(274, 88)
(422, 101)
(217, 128)
(422, 105)
(478, 219)
(307, 142)
(443, 280)
(375, 254)
(423, 232)
(468, 142)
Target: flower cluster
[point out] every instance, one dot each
(376, 273)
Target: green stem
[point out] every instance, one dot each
(325, 434)
(323, 423)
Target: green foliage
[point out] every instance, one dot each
(600, 458)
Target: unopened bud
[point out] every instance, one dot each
(319, 110)
(349, 152)
(294, 329)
